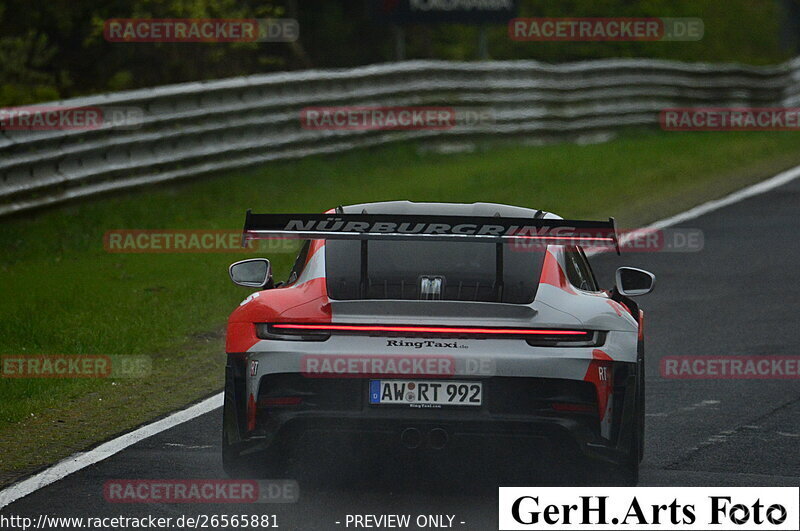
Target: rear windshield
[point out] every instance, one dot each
(412, 270)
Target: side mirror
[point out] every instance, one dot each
(252, 273)
(632, 282)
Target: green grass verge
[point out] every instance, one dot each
(62, 293)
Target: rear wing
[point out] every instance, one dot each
(528, 232)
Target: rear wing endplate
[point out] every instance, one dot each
(528, 232)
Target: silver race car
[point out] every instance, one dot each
(436, 327)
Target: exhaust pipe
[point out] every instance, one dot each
(411, 438)
(437, 438)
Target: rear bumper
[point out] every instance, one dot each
(549, 438)
(517, 416)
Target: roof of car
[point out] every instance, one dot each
(444, 209)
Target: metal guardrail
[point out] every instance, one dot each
(192, 129)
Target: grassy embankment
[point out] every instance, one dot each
(62, 293)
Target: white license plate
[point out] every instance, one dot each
(425, 392)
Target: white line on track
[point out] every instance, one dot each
(700, 210)
(114, 446)
(83, 459)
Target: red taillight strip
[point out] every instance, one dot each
(430, 329)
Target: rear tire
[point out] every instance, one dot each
(629, 470)
(640, 397)
(255, 465)
(232, 462)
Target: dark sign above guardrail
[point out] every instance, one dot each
(444, 11)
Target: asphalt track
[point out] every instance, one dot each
(740, 295)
